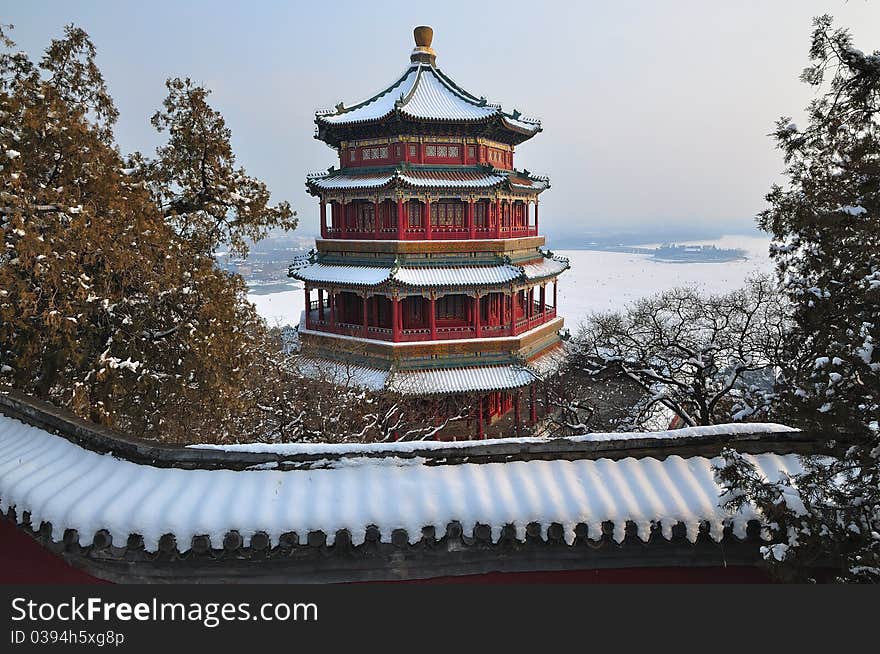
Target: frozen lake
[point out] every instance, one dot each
(597, 281)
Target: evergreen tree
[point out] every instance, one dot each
(106, 305)
(195, 182)
(826, 228)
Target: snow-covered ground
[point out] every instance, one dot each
(597, 281)
(606, 281)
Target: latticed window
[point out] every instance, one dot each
(447, 214)
(472, 152)
(442, 151)
(352, 155)
(413, 152)
(430, 150)
(453, 151)
(414, 214)
(364, 216)
(480, 218)
(375, 153)
(452, 307)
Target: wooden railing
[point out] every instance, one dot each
(423, 333)
(438, 233)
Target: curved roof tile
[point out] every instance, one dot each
(425, 93)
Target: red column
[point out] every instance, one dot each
(308, 308)
(428, 232)
(323, 208)
(331, 296)
(555, 284)
(433, 317)
(510, 304)
(395, 318)
(477, 316)
(543, 298)
(516, 414)
(365, 331)
(344, 225)
(400, 220)
(480, 433)
(498, 216)
(472, 233)
(376, 221)
(533, 408)
(536, 216)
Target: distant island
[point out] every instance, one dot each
(673, 253)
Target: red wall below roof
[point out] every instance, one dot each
(25, 561)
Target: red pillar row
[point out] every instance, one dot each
(308, 308)
(344, 211)
(516, 414)
(533, 408)
(428, 230)
(395, 318)
(331, 296)
(365, 330)
(400, 220)
(376, 221)
(477, 316)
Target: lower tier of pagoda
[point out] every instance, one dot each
(432, 318)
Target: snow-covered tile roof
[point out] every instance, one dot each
(56, 481)
(433, 98)
(414, 177)
(342, 373)
(422, 93)
(351, 180)
(456, 275)
(460, 380)
(549, 362)
(546, 268)
(451, 178)
(529, 183)
(360, 275)
(407, 275)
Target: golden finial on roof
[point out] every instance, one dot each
(423, 51)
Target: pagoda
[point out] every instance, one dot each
(428, 278)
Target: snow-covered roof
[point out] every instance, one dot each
(425, 275)
(460, 380)
(344, 374)
(547, 268)
(483, 178)
(53, 480)
(456, 275)
(360, 275)
(424, 93)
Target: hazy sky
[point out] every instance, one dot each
(654, 113)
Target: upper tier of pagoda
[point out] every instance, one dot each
(423, 101)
